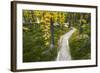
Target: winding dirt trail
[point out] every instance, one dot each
(64, 50)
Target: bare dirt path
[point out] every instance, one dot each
(64, 50)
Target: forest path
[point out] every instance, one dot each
(64, 49)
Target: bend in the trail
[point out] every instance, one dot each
(64, 49)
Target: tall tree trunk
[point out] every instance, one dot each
(52, 32)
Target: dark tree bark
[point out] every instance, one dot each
(52, 32)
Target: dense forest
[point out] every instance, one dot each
(43, 29)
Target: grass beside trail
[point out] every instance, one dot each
(80, 46)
